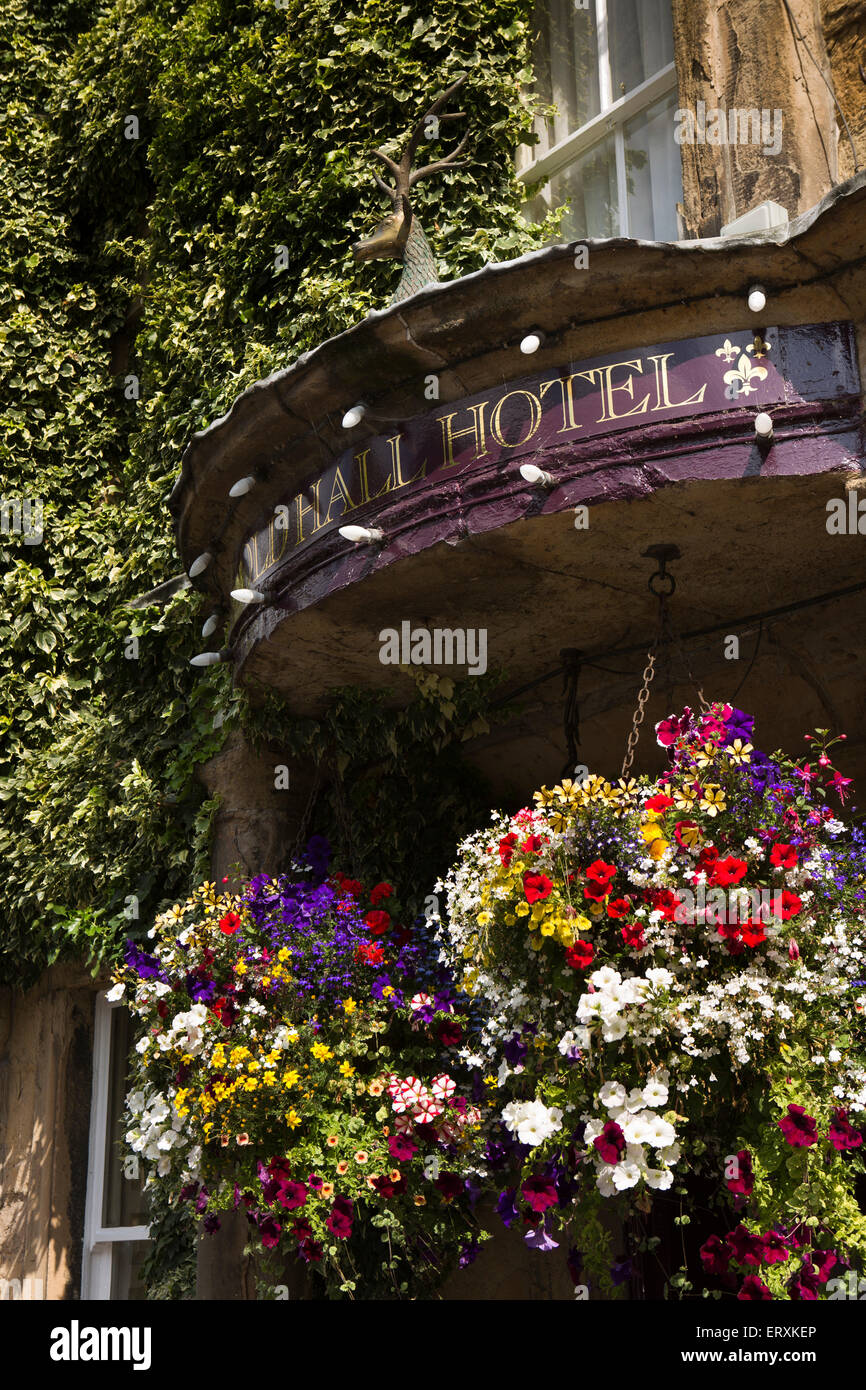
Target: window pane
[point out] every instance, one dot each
(127, 1259)
(653, 172)
(640, 41)
(565, 59)
(590, 183)
(123, 1201)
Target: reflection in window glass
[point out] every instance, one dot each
(640, 41)
(653, 172)
(123, 1194)
(129, 1256)
(591, 185)
(565, 59)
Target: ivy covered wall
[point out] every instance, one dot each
(139, 295)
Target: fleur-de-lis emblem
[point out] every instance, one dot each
(741, 379)
(729, 351)
(760, 347)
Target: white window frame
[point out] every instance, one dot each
(101, 1243)
(612, 119)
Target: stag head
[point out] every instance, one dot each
(390, 236)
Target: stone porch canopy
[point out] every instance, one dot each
(474, 545)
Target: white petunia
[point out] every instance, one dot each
(637, 1130)
(660, 978)
(612, 1093)
(659, 1178)
(604, 1181)
(614, 1030)
(605, 978)
(116, 992)
(659, 1133)
(654, 1093)
(626, 1175)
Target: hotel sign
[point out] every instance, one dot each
(538, 414)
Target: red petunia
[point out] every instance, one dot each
(791, 905)
(532, 844)
(744, 1180)
(715, 1255)
(783, 857)
(230, 923)
(754, 1290)
(377, 922)
(373, 955)
(380, 892)
(632, 935)
(841, 1134)
(727, 871)
(659, 802)
(339, 1223)
(753, 933)
(618, 907)
(536, 886)
(579, 956)
(601, 872)
(506, 849)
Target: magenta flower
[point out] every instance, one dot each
(339, 1223)
(610, 1143)
(800, 1130)
(269, 1230)
(400, 1146)
(754, 1290)
(292, 1195)
(841, 1134)
(745, 1179)
(539, 1193)
(745, 1248)
(775, 1248)
(715, 1255)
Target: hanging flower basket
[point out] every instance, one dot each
(672, 976)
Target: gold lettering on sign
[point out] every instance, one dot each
(339, 491)
(395, 477)
(603, 376)
(663, 400)
(565, 393)
(275, 555)
(476, 429)
(304, 507)
(534, 419)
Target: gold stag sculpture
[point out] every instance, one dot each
(400, 234)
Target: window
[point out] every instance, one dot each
(610, 147)
(115, 1221)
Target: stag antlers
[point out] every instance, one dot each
(405, 177)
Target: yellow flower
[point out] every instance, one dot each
(419, 1199)
(343, 1166)
(387, 991)
(321, 1052)
(713, 800)
(483, 918)
(240, 967)
(510, 919)
(346, 1069)
(740, 752)
(705, 755)
(349, 1006)
(293, 1119)
(490, 1081)
(548, 926)
(327, 1189)
(283, 953)
(522, 909)
(291, 1078)
(581, 923)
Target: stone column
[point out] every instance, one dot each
(750, 55)
(256, 827)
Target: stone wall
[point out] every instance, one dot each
(751, 54)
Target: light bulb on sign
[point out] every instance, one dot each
(530, 474)
(532, 342)
(210, 624)
(757, 299)
(200, 565)
(248, 595)
(764, 425)
(206, 659)
(362, 535)
(242, 487)
(354, 416)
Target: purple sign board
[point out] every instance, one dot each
(538, 414)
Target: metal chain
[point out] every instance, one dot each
(643, 697)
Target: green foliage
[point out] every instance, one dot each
(154, 257)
